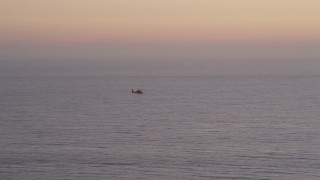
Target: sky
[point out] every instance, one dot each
(222, 34)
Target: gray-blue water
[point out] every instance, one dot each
(182, 127)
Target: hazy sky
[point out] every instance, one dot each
(216, 31)
(160, 20)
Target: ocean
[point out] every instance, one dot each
(182, 127)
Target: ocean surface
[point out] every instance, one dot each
(182, 127)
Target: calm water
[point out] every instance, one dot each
(206, 127)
